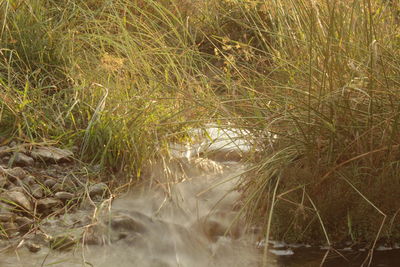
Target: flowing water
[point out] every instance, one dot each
(185, 216)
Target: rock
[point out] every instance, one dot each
(62, 242)
(50, 183)
(29, 180)
(6, 217)
(37, 191)
(46, 205)
(5, 151)
(18, 198)
(51, 154)
(23, 160)
(97, 189)
(3, 181)
(64, 196)
(32, 247)
(128, 224)
(15, 174)
(25, 224)
(57, 187)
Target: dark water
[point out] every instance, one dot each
(308, 257)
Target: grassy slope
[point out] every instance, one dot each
(119, 78)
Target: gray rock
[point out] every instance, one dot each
(50, 183)
(46, 205)
(23, 160)
(127, 223)
(51, 154)
(64, 196)
(17, 198)
(37, 191)
(16, 173)
(30, 180)
(98, 189)
(24, 224)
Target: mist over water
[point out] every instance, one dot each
(181, 223)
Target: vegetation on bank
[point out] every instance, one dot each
(120, 78)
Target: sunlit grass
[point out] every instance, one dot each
(121, 78)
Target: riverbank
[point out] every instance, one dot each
(312, 85)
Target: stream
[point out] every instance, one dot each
(184, 216)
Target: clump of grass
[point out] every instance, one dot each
(110, 77)
(324, 79)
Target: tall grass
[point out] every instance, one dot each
(108, 76)
(323, 76)
(119, 78)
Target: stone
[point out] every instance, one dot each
(64, 196)
(24, 224)
(23, 160)
(18, 198)
(50, 183)
(51, 154)
(37, 191)
(6, 217)
(16, 173)
(128, 224)
(5, 151)
(46, 205)
(3, 181)
(97, 189)
(33, 247)
(29, 180)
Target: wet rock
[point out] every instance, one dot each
(127, 223)
(64, 196)
(37, 191)
(95, 235)
(33, 247)
(52, 154)
(46, 205)
(21, 159)
(24, 224)
(16, 174)
(98, 189)
(50, 183)
(63, 242)
(18, 198)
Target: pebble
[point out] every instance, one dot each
(23, 160)
(64, 196)
(97, 189)
(50, 183)
(16, 173)
(46, 205)
(18, 198)
(37, 191)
